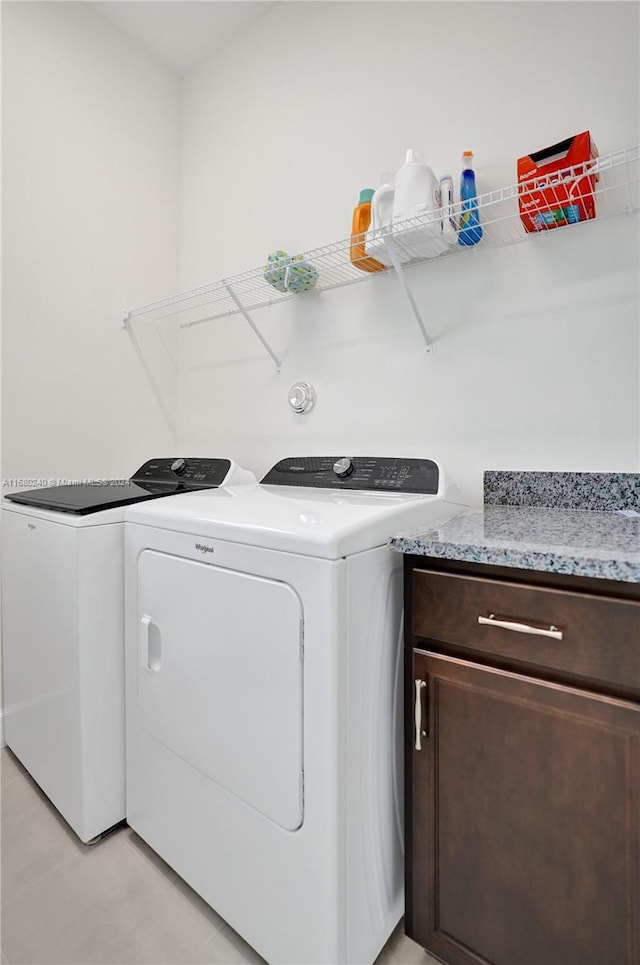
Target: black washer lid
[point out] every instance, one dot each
(157, 477)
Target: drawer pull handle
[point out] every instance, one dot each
(417, 713)
(494, 621)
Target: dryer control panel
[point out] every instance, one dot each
(383, 474)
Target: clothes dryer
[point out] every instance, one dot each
(264, 710)
(62, 632)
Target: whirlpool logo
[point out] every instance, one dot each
(204, 548)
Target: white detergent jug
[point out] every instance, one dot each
(381, 235)
(382, 206)
(417, 196)
(380, 227)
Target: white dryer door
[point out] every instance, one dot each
(220, 678)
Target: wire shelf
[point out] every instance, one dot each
(611, 181)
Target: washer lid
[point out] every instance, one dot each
(310, 522)
(82, 499)
(157, 477)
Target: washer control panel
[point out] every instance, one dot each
(192, 473)
(382, 474)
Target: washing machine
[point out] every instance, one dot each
(62, 632)
(264, 697)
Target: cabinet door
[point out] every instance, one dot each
(523, 819)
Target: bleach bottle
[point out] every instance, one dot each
(470, 231)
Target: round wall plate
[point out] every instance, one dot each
(302, 397)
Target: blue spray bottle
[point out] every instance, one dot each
(470, 231)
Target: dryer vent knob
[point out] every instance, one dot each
(179, 466)
(302, 397)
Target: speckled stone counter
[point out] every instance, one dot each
(573, 523)
(607, 491)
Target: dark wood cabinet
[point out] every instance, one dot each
(522, 769)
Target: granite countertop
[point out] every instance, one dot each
(538, 521)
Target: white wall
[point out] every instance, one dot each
(536, 346)
(90, 181)
(89, 227)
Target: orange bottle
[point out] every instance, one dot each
(360, 223)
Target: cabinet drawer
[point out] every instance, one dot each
(584, 635)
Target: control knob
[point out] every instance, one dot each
(343, 467)
(179, 466)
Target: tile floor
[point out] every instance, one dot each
(114, 903)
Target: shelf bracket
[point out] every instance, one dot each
(251, 323)
(397, 267)
(129, 328)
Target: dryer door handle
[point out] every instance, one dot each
(149, 645)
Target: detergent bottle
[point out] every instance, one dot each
(378, 235)
(416, 189)
(470, 231)
(360, 222)
(416, 208)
